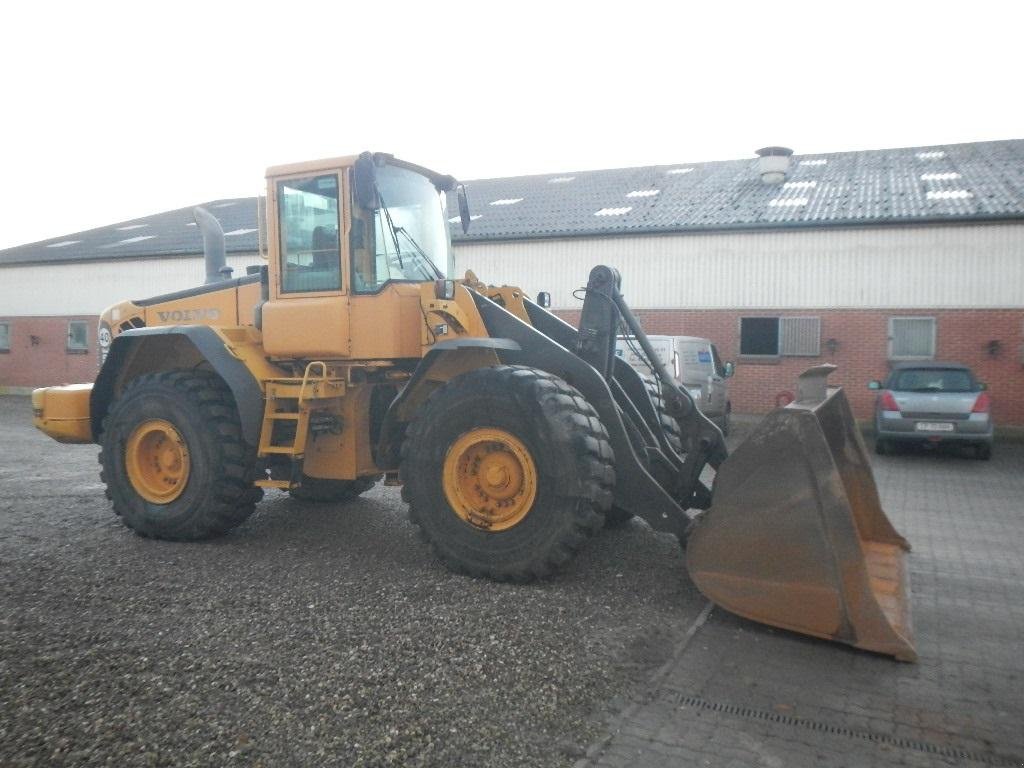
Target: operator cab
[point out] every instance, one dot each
(344, 230)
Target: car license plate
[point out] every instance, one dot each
(934, 426)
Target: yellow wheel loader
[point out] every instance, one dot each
(352, 355)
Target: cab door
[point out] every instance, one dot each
(307, 315)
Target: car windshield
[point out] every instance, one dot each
(933, 380)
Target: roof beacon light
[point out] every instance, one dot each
(773, 164)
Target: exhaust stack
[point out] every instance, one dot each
(217, 268)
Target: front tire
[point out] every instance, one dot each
(507, 471)
(173, 457)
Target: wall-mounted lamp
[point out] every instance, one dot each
(34, 340)
(994, 347)
(832, 345)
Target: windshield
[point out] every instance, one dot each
(933, 380)
(409, 237)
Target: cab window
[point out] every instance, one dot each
(309, 223)
(405, 237)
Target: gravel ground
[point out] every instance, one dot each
(312, 635)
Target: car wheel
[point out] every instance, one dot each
(882, 447)
(983, 451)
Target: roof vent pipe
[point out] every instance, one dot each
(773, 164)
(213, 246)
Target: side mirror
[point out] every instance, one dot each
(982, 386)
(544, 299)
(876, 384)
(730, 369)
(464, 209)
(364, 180)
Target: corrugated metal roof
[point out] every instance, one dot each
(172, 233)
(957, 182)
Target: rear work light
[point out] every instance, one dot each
(982, 404)
(444, 290)
(887, 401)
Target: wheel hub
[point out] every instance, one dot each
(157, 461)
(490, 479)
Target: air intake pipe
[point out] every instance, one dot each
(217, 268)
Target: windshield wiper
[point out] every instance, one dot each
(422, 253)
(391, 226)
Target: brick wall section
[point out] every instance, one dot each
(962, 336)
(44, 360)
(861, 355)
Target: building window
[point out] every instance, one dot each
(911, 338)
(5, 337)
(775, 336)
(759, 336)
(78, 336)
(800, 336)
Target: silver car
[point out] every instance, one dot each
(931, 403)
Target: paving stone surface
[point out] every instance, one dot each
(740, 694)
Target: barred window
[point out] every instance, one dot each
(911, 338)
(774, 336)
(800, 336)
(78, 336)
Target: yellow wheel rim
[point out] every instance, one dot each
(157, 461)
(490, 479)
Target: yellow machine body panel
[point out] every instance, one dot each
(315, 327)
(63, 412)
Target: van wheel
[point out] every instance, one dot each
(507, 471)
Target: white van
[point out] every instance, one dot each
(696, 365)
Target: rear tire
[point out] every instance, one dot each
(983, 452)
(319, 490)
(484, 427)
(174, 460)
(882, 447)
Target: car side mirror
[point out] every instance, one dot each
(982, 386)
(730, 369)
(876, 384)
(544, 299)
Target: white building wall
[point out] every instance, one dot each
(86, 288)
(940, 266)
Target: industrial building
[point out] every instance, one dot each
(784, 260)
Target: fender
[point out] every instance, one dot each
(208, 346)
(393, 427)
